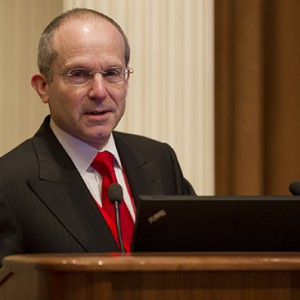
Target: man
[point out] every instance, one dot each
(50, 199)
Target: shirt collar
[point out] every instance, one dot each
(81, 153)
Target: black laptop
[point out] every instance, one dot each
(212, 223)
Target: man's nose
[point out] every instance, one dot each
(98, 86)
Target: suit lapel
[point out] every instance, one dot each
(143, 176)
(63, 191)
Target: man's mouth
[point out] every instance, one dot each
(97, 113)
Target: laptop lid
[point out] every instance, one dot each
(213, 223)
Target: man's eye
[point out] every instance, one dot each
(79, 74)
(112, 72)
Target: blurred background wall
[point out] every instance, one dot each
(21, 23)
(257, 96)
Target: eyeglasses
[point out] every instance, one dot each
(81, 77)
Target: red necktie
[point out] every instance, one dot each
(104, 164)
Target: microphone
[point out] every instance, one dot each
(115, 195)
(294, 188)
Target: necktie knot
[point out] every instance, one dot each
(104, 164)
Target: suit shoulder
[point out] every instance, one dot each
(18, 162)
(143, 146)
(135, 138)
(22, 149)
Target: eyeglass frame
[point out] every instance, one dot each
(126, 71)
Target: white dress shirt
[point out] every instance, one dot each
(82, 156)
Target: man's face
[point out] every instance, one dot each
(92, 111)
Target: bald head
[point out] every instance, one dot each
(46, 50)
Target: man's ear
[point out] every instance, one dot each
(40, 84)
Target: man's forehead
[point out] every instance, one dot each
(83, 38)
(79, 29)
(99, 25)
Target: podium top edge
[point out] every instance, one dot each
(117, 262)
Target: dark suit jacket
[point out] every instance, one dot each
(45, 206)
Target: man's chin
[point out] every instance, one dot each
(99, 139)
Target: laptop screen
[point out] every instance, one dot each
(212, 223)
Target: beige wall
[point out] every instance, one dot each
(21, 111)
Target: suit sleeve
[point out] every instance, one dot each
(10, 233)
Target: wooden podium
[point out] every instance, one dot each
(203, 276)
